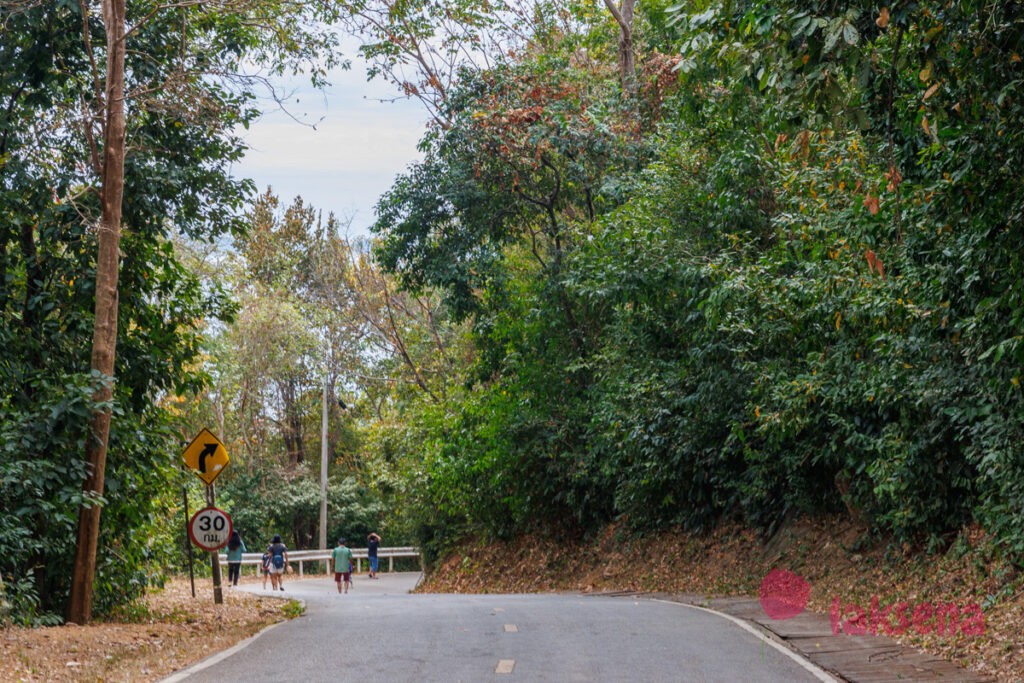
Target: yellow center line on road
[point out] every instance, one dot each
(511, 628)
(505, 666)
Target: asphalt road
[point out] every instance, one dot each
(379, 632)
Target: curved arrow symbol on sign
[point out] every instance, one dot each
(207, 452)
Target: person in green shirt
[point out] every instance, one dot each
(341, 558)
(236, 546)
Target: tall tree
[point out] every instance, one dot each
(104, 342)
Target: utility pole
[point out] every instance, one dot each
(323, 472)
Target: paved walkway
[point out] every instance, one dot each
(857, 659)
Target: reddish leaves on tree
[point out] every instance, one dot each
(894, 177)
(875, 264)
(871, 202)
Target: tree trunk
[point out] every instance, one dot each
(104, 342)
(291, 425)
(627, 63)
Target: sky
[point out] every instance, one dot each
(352, 155)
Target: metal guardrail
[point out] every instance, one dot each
(358, 554)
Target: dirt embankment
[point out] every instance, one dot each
(168, 632)
(734, 561)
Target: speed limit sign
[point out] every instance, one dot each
(210, 528)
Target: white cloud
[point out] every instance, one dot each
(373, 145)
(349, 160)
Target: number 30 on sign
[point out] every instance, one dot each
(210, 528)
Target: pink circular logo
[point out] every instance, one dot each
(784, 594)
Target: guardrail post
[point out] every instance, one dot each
(391, 564)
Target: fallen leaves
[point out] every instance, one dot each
(149, 651)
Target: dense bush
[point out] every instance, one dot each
(800, 291)
(263, 502)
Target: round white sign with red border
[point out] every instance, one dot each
(210, 528)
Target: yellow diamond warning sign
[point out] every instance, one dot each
(206, 456)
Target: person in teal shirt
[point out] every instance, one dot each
(236, 546)
(341, 558)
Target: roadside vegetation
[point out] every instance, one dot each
(666, 267)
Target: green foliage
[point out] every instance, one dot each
(44, 494)
(184, 106)
(531, 159)
(792, 284)
(293, 608)
(264, 502)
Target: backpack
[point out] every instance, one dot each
(278, 560)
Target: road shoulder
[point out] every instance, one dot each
(858, 659)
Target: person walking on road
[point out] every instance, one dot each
(372, 543)
(278, 563)
(236, 546)
(341, 558)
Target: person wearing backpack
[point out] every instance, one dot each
(278, 563)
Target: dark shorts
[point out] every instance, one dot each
(338, 576)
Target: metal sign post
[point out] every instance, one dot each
(218, 595)
(210, 529)
(191, 571)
